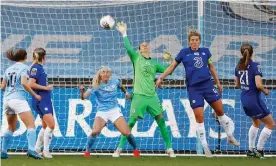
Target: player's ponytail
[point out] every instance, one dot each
(96, 80)
(246, 51)
(38, 55)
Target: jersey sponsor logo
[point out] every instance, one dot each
(199, 62)
(147, 70)
(33, 71)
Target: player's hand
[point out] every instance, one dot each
(167, 55)
(220, 88)
(121, 27)
(158, 83)
(82, 89)
(38, 97)
(49, 87)
(128, 96)
(266, 92)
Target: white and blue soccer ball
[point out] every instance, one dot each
(107, 22)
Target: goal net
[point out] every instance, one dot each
(77, 46)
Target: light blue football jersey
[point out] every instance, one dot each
(106, 95)
(14, 89)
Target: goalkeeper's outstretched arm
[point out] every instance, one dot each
(122, 28)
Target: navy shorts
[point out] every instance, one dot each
(255, 108)
(43, 107)
(200, 91)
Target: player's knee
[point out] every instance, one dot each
(126, 133)
(219, 112)
(272, 126)
(95, 132)
(199, 118)
(51, 126)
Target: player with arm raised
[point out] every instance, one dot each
(248, 78)
(15, 84)
(199, 69)
(44, 108)
(105, 90)
(144, 95)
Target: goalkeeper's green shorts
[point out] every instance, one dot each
(140, 104)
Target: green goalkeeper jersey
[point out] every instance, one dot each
(144, 71)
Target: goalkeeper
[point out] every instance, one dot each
(144, 95)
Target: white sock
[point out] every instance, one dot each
(263, 137)
(226, 123)
(47, 139)
(40, 138)
(200, 129)
(252, 135)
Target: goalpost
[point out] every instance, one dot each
(77, 46)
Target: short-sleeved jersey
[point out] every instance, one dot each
(106, 95)
(37, 72)
(195, 64)
(13, 75)
(144, 71)
(247, 79)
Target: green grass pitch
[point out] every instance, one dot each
(131, 161)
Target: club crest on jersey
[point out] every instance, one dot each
(33, 71)
(203, 53)
(199, 62)
(196, 53)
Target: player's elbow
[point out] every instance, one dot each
(24, 85)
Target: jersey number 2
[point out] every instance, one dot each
(244, 75)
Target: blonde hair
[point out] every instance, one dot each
(38, 55)
(193, 32)
(97, 78)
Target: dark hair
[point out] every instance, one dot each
(39, 54)
(16, 54)
(246, 51)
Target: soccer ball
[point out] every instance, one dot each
(107, 22)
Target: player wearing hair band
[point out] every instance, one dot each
(105, 90)
(199, 69)
(15, 102)
(144, 94)
(248, 78)
(38, 81)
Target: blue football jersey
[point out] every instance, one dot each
(195, 64)
(106, 95)
(247, 79)
(37, 72)
(13, 75)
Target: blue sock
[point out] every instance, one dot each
(31, 137)
(6, 139)
(90, 142)
(131, 141)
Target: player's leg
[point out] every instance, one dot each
(99, 123)
(156, 111)
(46, 109)
(40, 137)
(48, 119)
(137, 110)
(252, 135)
(197, 104)
(24, 112)
(265, 133)
(214, 99)
(7, 136)
(121, 124)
